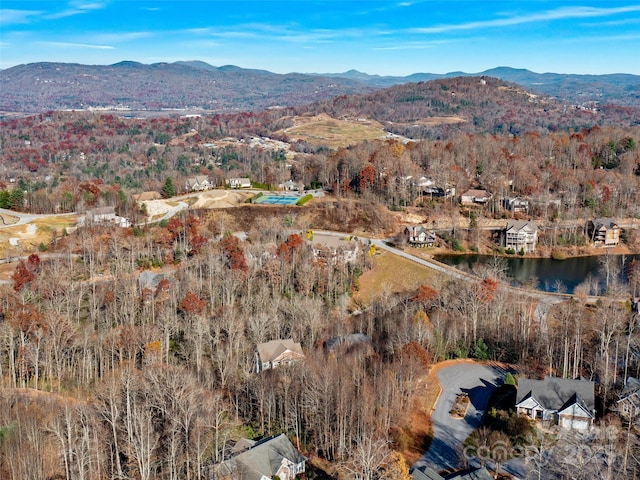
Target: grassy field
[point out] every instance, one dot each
(29, 236)
(392, 274)
(323, 130)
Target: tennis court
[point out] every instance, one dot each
(277, 199)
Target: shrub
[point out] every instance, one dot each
(304, 200)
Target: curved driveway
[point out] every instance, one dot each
(449, 433)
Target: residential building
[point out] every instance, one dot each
(425, 473)
(106, 215)
(475, 197)
(604, 232)
(471, 474)
(424, 182)
(102, 215)
(332, 250)
(521, 235)
(238, 182)
(566, 402)
(516, 205)
(290, 186)
(277, 352)
(629, 399)
(197, 183)
(419, 236)
(348, 344)
(263, 460)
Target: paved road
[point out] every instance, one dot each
(546, 297)
(449, 433)
(24, 218)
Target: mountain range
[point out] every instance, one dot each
(196, 85)
(618, 88)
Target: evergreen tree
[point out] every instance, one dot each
(168, 190)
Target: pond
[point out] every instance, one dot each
(546, 274)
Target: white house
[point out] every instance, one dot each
(419, 236)
(106, 215)
(475, 197)
(238, 182)
(197, 183)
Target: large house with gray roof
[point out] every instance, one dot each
(263, 460)
(521, 236)
(562, 401)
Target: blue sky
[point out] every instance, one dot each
(377, 37)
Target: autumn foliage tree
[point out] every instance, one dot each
(234, 253)
(25, 272)
(191, 304)
(425, 295)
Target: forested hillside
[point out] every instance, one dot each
(441, 108)
(38, 87)
(129, 352)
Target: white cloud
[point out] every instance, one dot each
(13, 17)
(549, 15)
(413, 45)
(120, 37)
(76, 45)
(77, 8)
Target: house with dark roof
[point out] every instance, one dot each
(263, 460)
(425, 473)
(277, 352)
(516, 205)
(566, 402)
(471, 474)
(604, 232)
(629, 399)
(347, 344)
(521, 235)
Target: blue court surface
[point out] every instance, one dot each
(277, 199)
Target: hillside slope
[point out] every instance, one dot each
(38, 87)
(469, 105)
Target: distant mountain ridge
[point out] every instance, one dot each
(617, 88)
(38, 87)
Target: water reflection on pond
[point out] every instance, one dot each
(546, 273)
